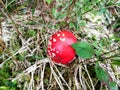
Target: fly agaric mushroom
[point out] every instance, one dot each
(59, 47)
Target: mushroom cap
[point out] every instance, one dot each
(59, 47)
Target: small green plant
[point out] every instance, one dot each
(83, 49)
(104, 77)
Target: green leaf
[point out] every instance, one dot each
(71, 25)
(61, 15)
(82, 23)
(113, 86)
(54, 12)
(33, 10)
(4, 88)
(116, 25)
(48, 1)
(103, 10)
(83, 49)
(10, 3)
(101, 74)
(118, 3)
(116, 62)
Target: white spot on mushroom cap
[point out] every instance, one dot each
(53, 49)
(49, 53)
(48, 50)
(50, 43)
(51, 38)
(62, 39)
(57, 52)
(49, 46)
(58, 35)
(53, 54)
(54, 40)
(63, 35)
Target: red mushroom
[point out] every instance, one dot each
(59, 47)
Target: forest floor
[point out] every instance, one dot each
(26, 27)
